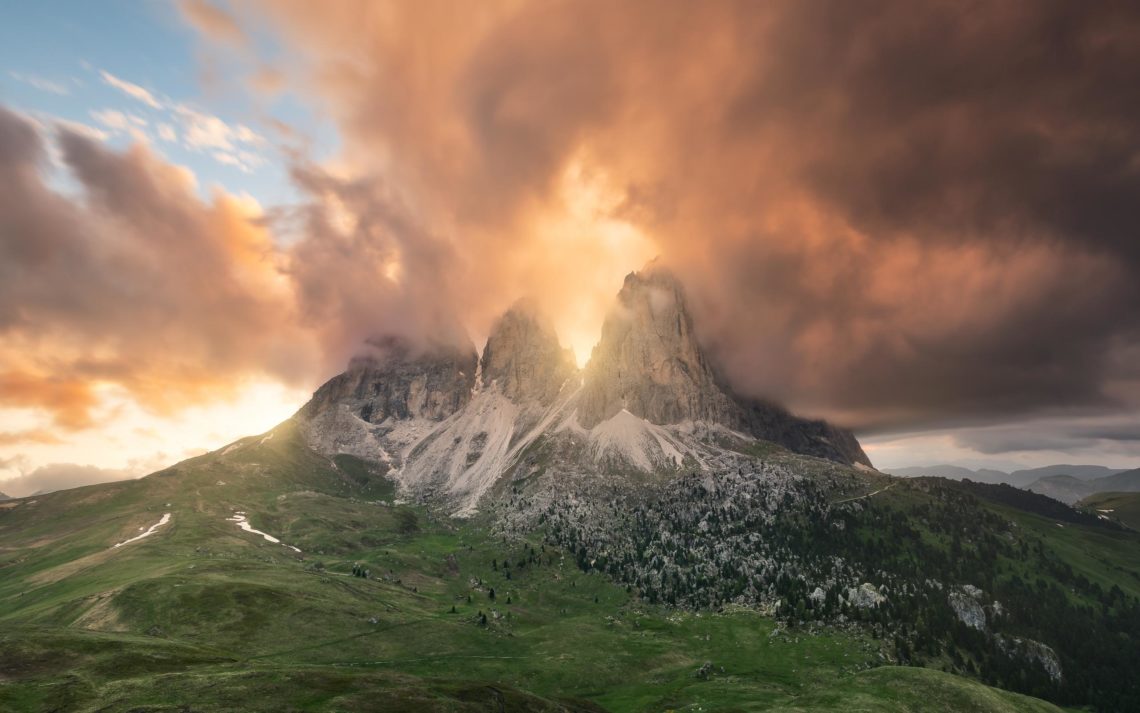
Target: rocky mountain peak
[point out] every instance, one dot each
(399, 379)
(523, 357)
(648, 361)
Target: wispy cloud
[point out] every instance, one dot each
(228, 144)
(80, 128)
(123, 123)
(130, 89)
(44, 85)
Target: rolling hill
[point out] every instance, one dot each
(1070, 490)
(194, 609)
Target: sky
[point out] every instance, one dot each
(916, 220)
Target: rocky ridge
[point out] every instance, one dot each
(451, 425)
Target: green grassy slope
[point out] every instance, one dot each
(1120, 507)
(202, 614)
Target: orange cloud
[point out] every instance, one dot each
(33, 435)
(139, 287)
(874, 224)
(69, 400)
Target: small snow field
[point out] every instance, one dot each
(150, 531)
(239, 519)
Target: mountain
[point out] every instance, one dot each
(1080, 472)
(4, 497)
(951, 472)
(1127, 481)
(634, 536)
(1064, 488)
(450, 424)
(1069, 489)
(185, 590)
(1018, 478)
(649, 364)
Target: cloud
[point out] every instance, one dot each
(60, 476)
(44, 85)
(887, 213)
(212, 21)
(227, 144)
(132, 90)
(34, 435)
(131, 284)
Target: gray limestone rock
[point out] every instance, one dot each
(524, 359)
(400, 381)
(650, 364)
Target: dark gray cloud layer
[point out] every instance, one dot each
(892, 213)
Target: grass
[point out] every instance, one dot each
(204, 615)
(1125, 507)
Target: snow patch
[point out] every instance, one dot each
(165, 519)
(241, 521)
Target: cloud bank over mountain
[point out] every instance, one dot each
(892, 215)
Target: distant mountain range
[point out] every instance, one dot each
(951, 472)
(4, 497)
(1017, 478)
(1067, 483)
(1069, 490)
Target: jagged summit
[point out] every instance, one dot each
(400, 380)
(447, 423)
(650, 364)
(523, 357)
(648, 361)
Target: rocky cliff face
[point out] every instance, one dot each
(448, 423)
(648, 361)
(396, 380)
(523, 358)
(650, 364)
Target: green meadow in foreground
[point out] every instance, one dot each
(202, 615)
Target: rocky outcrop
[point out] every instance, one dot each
(648, 361)
(388, 399)
(400, 381)
(865, 596)
(449, 424)
(523, 358)
(967, 605)
(650, 364)
(1031, 650)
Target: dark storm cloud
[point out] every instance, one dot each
(1091, 435)
(889, 212)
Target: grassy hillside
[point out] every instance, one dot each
(1120, 507)
(203, 614)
